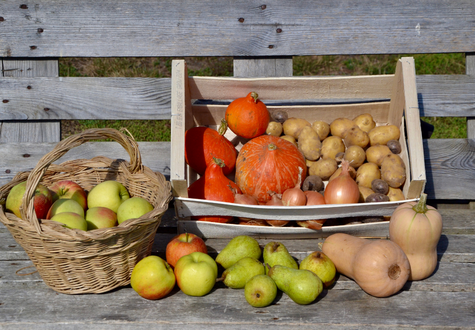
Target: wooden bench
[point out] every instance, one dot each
(262, 37)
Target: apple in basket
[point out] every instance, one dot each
(67, 189)
(183, 244)
(152, 278)
(71, 220)
(65, 205)
(42, 201)
(100, 217)
(133, 208)
(108, 194)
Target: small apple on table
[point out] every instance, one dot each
(183, 244)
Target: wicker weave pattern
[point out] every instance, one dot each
(74, 261)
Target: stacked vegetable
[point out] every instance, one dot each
(293, 162)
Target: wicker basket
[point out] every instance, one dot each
(74, 261)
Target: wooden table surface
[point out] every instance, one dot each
(445, 300)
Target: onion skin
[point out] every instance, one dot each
(276, 200)
(294, 197)
(342, 189)
(247, 200)
(313, 198)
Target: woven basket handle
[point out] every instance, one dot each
(35, 176)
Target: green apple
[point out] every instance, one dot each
(71, 220)
(260, 290)
(65, 205)
(133, 208)
(152, 278)
(100, 217)
(196, 273)
(108, 194)
(320, 264)
(42, 201)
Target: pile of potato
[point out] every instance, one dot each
(373, 152)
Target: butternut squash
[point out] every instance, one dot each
(380, 267)
(416, 227)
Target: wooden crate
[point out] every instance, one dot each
(202, 101)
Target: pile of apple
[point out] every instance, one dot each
(260, 272)
(105, 205)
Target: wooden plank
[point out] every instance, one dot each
(281, 28)
(29, 132)
(470, 70)
(262, 67)
(35, 304)
(85, 98)
(149, 98)
(20, 157)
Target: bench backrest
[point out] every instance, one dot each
(262, 38)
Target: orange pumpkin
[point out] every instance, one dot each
(269, 164)
(248, 116)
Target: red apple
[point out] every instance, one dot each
(67, 189)
(182, 245)
(100, 217)
(42, 201)
(152, 278)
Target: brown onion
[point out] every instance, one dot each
(342, 189)
(295, 196)
(276, 200)
(247, 200)
(313, 198)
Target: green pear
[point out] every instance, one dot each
(301, 285)
(319, 263)
(237, 275)
(238, 248)
(260, 291)
(275, 253)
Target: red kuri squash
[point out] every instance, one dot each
(214, 185)
(202, 144)
(247, 116)
(269, 164)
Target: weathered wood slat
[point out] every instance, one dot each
(149, 98)
(449, 163)
(234, 28)
(85, 98)
(25, 305)
(19, 157)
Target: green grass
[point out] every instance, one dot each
(159, 130)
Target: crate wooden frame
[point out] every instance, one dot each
(390, 99)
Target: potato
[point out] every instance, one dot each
(351, 171)
(340, 125)
(313, 183)
(364, 193)
(324, 168)
(331, 146)
(290, 139)
(365, 121)
(380, 186)
(322, 128)
(394, 146)
(383, 134)
(366, 173)
(355, 155)
(393, 170)
(309, 162)
(355, 136)
(309, 143)
(395, 194)
(274, 128)
(376, 198)
(293, 126)
(279, 116)
(376, 154)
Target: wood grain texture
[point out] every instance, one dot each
(234, 28)
(29, 132)
(85, 98)
(150, 98)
